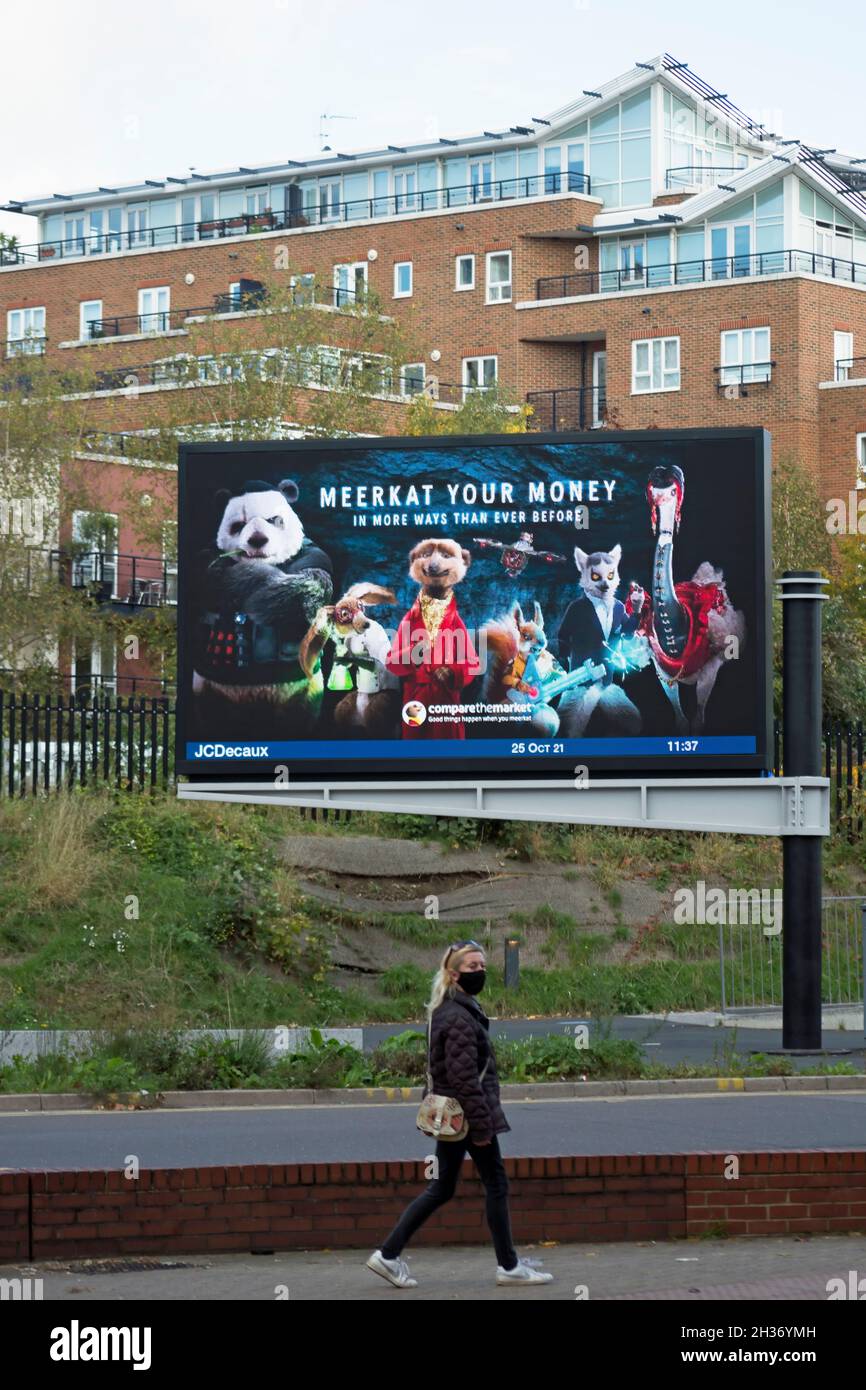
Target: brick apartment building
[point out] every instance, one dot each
(647, 256)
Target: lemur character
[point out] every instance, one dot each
(257, 595)
(590, 627)
(432, 653)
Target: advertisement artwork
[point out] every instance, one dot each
(497, 604)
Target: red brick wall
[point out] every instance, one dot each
(353, 1205)
(459, 324)
(842, 416)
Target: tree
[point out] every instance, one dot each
(262, 377)
(801, 541)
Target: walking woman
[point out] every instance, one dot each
(462, 1065)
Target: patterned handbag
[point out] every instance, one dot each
(442, 1117)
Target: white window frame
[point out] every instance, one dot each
(159, 314)
(351, 268)
(137, 220)
(329, 206)
(861, 461)
(405, 190)
(25, 331)
(743, 370)
(256, 200)
(843, 350)
(403, 294)
(480, 371)
(599, 387)
(457, 263)
(95, 680)
(169, 566)
(85, 304)
(303, 287)
(480, 179)
(85, 567)
(495, 291)
(656, 373)
(630, 272)
(73, 234)
(415, 371)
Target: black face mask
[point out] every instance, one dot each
(472, 981)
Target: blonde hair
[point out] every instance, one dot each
(443, 987)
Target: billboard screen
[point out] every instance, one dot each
(476, 605)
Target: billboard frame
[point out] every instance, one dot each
(489, 770)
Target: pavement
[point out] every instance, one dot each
(773, 1268)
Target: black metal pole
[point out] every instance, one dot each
(801, 854)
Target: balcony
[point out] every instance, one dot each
(31, 346)
(709, 271)
(738, 381)
(131, 581)
(568, 408)
(325, 215)
(850, 369)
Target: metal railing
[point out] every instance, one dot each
(750, 951)
(163, 320)
(48, 743)
(30, 346)
(745, 375)
(844, 365)
(707, 271)
(680, 175)
(84, 686)
(324, 214)
(568, 408)
(109, 576)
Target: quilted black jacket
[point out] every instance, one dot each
(459, 1048)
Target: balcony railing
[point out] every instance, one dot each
(698, 175)
(738, 379)
(139, 581)
(323, 215)
(708, 271)
(31, 346)
(845, 365)
(164, 320)
(568, 408)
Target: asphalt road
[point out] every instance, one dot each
(732, 1122)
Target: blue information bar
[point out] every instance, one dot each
(216, 752)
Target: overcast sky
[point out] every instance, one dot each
(99, 91)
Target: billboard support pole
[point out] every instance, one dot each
(800, 591)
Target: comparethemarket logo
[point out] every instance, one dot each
(231, 750)
(77, 1343)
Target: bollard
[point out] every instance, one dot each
(512, 963)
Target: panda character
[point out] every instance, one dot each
(258, 592)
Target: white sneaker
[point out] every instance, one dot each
(523, 1272)
(395, 1271)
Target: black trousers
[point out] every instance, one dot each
(491, 1170)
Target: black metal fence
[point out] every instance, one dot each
(99, 738)
(51, 741)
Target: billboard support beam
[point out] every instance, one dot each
(800, 591)
(779, 806)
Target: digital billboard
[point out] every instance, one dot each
(475, 605)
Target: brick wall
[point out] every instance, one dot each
(458, 323)
(45, 1215)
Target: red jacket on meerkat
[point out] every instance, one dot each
(433, 633)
